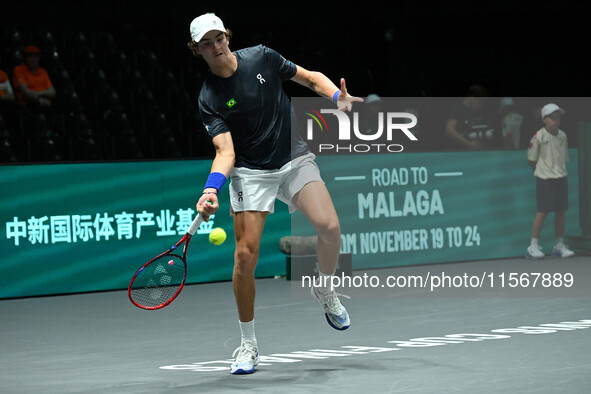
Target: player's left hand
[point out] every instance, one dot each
(345, 102)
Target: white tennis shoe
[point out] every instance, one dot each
(534, 252)
(335, 313)
(246, 358)
(561, 250)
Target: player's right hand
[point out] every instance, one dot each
(207, 205)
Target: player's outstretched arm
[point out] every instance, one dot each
(323, 86)
(221, 167)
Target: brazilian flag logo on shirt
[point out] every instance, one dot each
(231, 103)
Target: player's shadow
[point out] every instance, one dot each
(266, 380)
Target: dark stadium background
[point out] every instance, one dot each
(392, 48)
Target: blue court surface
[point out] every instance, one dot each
(416, 339)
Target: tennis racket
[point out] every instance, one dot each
(158, 282)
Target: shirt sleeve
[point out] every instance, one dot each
(286, 68)
(214, 124)
(5, 83)
(8, 88)
(533, 151)
(46, 83)
(18, 77)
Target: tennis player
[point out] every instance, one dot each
(248, 115)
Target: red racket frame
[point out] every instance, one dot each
(185, 240)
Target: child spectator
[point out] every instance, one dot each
(547, 155)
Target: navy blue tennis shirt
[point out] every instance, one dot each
(252, 106)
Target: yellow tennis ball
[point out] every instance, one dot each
(217, 236)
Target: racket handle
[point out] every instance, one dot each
(195, 225)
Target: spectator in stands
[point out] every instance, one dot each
(31, 82)
(467, 126)
(368, 119)
(511, 122)
(6, 92)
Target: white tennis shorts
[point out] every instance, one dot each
(256, 190)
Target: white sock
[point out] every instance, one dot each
(325, 282)
(559, 241)
(247, 332)
(534, 242)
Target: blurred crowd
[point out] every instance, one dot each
(90, 97)
(83, 98)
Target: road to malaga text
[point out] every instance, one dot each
(393, 204)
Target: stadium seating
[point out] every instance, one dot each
(114, 101)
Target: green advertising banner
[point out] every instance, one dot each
(69, 228)
(422, 208)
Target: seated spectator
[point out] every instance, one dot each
(6, 93)
(467, 126)
(511, 123)
(31, 82)
(368, 114)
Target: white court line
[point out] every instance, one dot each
(349, 178)
(448, 173)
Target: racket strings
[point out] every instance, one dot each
(159, 281)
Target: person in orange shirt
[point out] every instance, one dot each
(6, 92)
(31, 82)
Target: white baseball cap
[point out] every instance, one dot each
(204, 24)
(550, 108)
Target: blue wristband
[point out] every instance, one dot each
(335, 96)
(215, 180)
